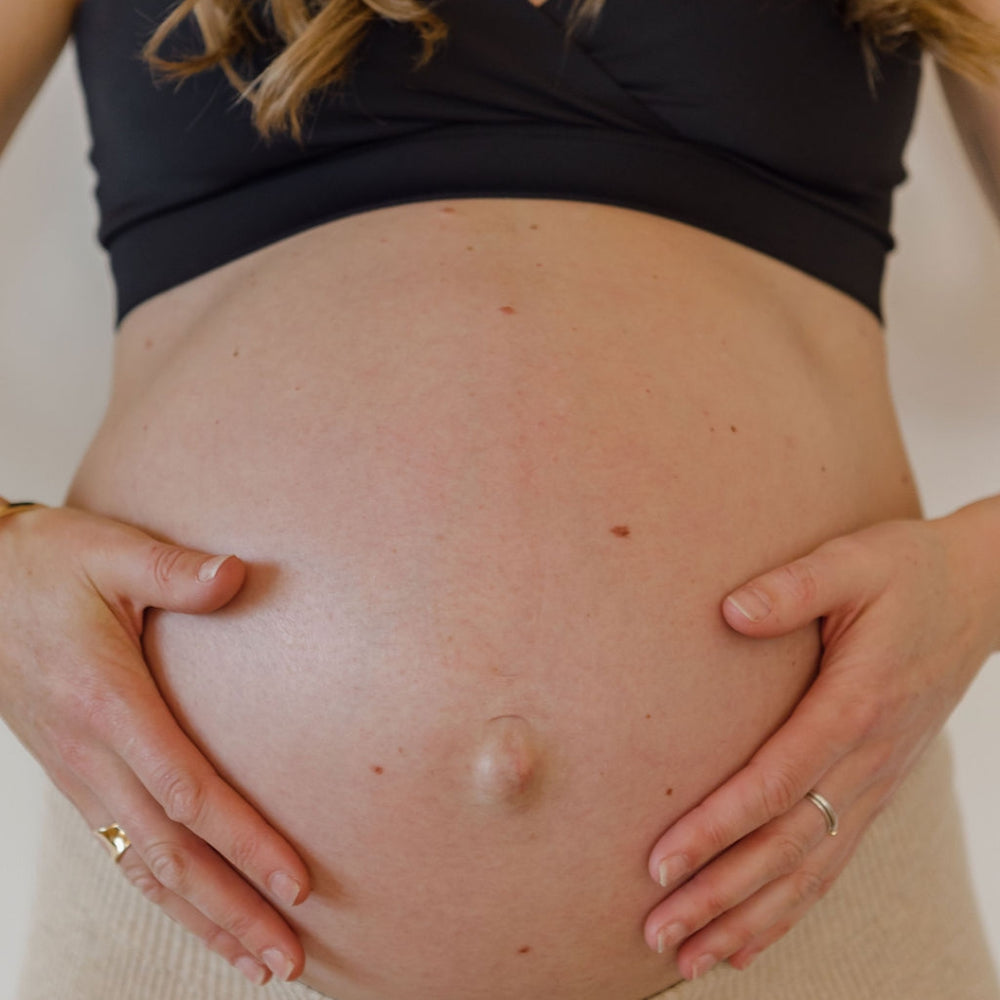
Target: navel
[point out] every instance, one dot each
(507, 764)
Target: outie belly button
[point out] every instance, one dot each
(507, 764)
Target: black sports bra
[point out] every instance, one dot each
(753, 119)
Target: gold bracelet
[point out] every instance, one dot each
(7, 508)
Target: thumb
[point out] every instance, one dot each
(152, 574)
(789, 597)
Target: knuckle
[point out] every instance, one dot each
(789, 853)
(239, 924)
(809, 887)
(799, 578)
(163, 560)
(168, 865)
(145, 881)
(779, 791)
(182, 797)
(242, 853)
(714, 902)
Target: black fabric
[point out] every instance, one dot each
(753, 119)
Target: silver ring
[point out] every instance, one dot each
(829, 813)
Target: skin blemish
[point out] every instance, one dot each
(148, 343)
(506, 765)
(732, 427)
(822, 468)
(524, 949)
(470, 248)
(534, 225)
(236, 352)
(648, 716)
(670, 791)
(508, 310)
(621, 530)
(448, 210)
(377, 768)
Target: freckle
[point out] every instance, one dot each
(524, 949)
(621, 530)
(822, 468)
(470, 248)
(670, 791)
(149, 343)
(451, 638)
(905, 479)
(448, 210)
(377, 768)
(648, 716)
(296, 388)
(509, 310)
(712, 429)
(401, 751)
(145, 427)
(236, 353)
(732, 427)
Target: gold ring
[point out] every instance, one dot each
(829, 814)
(114, 839)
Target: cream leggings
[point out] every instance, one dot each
(899, 924)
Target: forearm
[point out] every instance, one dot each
(973, 535)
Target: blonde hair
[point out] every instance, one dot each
(319, 40)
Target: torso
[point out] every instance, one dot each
(493, 464)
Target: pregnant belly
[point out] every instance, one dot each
(478, 665)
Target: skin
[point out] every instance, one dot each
(111, 593)
(547, 575)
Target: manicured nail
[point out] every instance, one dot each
(284, 888)
(670, 936)
(210, 567)
(702, 965)
(673, 869)
(278, 962)
(254, 972)
(750, 603)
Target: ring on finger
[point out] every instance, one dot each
(114, 839)
(829, 813)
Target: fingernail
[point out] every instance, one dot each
(210, 567)
(702, 965)
(672, 869)
(278, 962)
(284, 888)
(670, 936)
(750, 603)
(254, 972)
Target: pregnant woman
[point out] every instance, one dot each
(499, 354)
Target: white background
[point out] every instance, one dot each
(942, 300)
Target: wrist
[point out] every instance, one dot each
(973, 536)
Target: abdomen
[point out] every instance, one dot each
(489, 515)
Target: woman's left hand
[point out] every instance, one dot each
(905, 630)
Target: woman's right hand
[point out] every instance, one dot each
(76, 691)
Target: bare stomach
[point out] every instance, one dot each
(493, 464)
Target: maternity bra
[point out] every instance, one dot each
(752, 119)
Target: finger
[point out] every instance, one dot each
(214, 937)
(824, 727)
(773, 910)
(140, 571)
(179, 862)
(839, 575)
(778, 849)
(192, 794)
(192, 919)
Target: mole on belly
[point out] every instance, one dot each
(506, 765)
